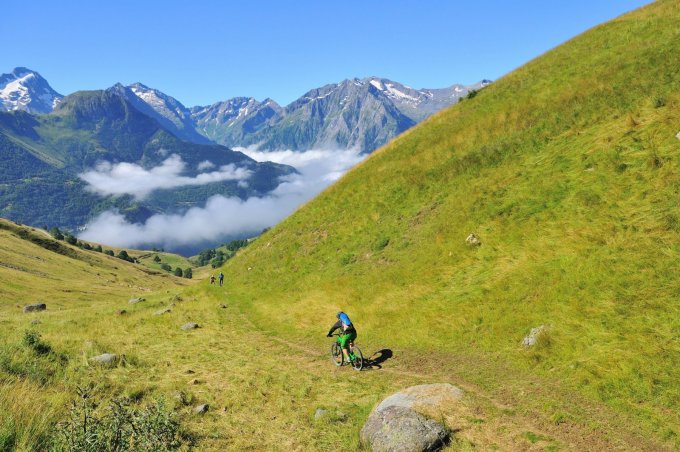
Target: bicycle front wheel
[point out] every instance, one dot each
(336, 354)
(358, 361)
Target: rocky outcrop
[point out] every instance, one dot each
(189, 326)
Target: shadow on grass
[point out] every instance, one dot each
(376, 359)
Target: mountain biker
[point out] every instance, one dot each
(221, 277)
(348, 334)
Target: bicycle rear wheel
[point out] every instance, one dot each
(358, 361)
(336, 354)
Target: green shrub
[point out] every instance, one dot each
(178, 272)
(188, 273)
(121, 427)
(166, 267)
(32, 340)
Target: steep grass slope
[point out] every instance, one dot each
(568, 171)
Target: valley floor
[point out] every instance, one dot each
(264, 390)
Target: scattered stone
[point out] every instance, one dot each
(176, 298)
(320, 412)
(105, 360)
(35, 307)
(189, 326)
(35, 322)
(473, 240)
(201, 409)
(121, 312)
(532, 338)
(136, 300)
(678, 136)
(397, 428)
(194, 381)
(163, 311)
(223, 306)
(189, 371)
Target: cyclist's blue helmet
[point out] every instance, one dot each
(337, 316)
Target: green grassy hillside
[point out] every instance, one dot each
(568, 169)
(263, 389)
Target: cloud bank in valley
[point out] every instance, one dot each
(228, 217)
(129, 178)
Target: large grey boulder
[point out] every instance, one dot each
(404, 420)
(35, 307)
(401, 429)
(105, 360)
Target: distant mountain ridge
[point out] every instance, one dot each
(361, 114)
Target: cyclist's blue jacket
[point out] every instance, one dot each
(343, 320)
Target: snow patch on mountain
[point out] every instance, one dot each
(24, 89)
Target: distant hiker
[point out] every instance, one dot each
(348, 334)
(221, 276)
(212, 279)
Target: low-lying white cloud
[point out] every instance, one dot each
(228, 217)
(129, 178)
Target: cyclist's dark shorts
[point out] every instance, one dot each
(347, 337)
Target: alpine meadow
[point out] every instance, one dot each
(522, 245)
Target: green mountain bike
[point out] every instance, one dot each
(356, 359)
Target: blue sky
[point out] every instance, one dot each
(204, 51)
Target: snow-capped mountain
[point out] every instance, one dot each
(359, 113)
(168, 111)
(24, 89)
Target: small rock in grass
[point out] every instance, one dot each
(223, 306)
(320, 412)
(162, 311)
(532, 338)
(194, 381)
(201, 409)
(35, 322)
(473, 240)
(136, 300)
(189, 371)
(189, 326)
(105, 360)
(678, 136)
(35, 307)
(121, 312)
